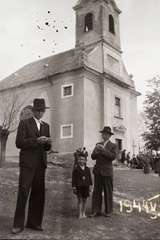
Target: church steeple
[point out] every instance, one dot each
(97, 20)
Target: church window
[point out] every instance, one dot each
(111, 24)
(88, 22)
(117, 107)
(67, 131)
(67, 90)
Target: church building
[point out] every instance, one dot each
(87, 87)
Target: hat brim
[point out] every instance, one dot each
(39, 107)
(106, 132)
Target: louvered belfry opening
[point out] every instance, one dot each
(88, 22)
(111, 24)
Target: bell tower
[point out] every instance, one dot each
(96, 21)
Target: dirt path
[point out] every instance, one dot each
(131, 188)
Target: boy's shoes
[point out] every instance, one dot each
(37, 228)
(16, 230)
(94, 215)
(82, 217)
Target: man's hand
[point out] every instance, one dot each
(99, 147)
(43, 140)
(74, 190)
(49, 140)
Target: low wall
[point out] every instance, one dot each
(62, 159)
(66, 159)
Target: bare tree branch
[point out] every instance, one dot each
(13, 100)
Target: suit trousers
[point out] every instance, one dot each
(32, 184)
(102, 183)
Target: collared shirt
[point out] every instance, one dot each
(38, 122)
(104, 143)
(83, 167)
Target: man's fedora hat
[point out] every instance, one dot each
(39, 103)
(107, 130)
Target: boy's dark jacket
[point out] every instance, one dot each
(81, 178)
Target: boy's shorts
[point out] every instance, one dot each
(82, 192)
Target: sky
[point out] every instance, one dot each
(34, 29)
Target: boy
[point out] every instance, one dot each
(81, 184)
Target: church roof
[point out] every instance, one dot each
(80, 3)
(41, 69)
(60, 63)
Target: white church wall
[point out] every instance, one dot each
(68, 110)
(92, 111)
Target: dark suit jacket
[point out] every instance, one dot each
(104, 159)
(26, 140)
(81, 178)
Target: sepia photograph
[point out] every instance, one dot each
(80, 119)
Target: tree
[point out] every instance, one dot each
(11, 103)
(152, 113)
(141, 129)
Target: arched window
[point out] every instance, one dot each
(111, 24)
(88, 22)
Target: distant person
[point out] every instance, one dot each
(85, 152)
(75, 158)
(134, 163)
(104, 153)
(154, 155)
(157, 163)
(76, 155)
(79, 150)
(140, 160)
(128, 158)
(146, 165)
(81, 184)
(33, 140)
(123, 158)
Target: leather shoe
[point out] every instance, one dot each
(94, 215)
(16, 230)
(37, 228)
(107, 214)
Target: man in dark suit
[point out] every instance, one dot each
(104, 153)
(33, 140)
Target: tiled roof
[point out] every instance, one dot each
(81, 3)
(40, 69)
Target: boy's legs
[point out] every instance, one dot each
(80, 206)
(84, 207)
(82, 195)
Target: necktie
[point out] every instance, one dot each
(41, 128)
